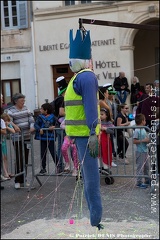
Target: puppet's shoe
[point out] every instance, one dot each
(100, 226)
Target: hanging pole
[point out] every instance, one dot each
(119, 24)
(81, 27)
(80, 23)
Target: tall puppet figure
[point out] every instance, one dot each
(82, 119)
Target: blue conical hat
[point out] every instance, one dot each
(80, 48)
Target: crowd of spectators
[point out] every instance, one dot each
(112, 99)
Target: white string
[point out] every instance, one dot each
(128, 104)
(145, 67)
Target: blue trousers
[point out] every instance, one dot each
(91, 178)
(50, 145)
(121, 98)
(60, 136)
(142, 166)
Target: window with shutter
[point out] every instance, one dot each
(14, 14)
(86, 2)
(68, 3)
(23, 15)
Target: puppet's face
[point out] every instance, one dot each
(77, 65)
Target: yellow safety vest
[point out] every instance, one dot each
(75, 119)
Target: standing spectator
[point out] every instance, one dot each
(135, 88)
(23, 122)
(103, 95)
(110, 100)
(69, 144)
(9, 129)
(138, 96)
(147, 104)
(58, 105)
(140, 93)
(105, 140)
(82, 120)
(103, 103)
(113, 107)
(156, 85)
(141, 139)
(121, 86)
(122, 142)
(46, 120)
(3, 132)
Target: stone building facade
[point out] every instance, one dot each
(40, 53)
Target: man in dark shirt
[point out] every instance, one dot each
(148, 104)
(58, 105)
(121, 86)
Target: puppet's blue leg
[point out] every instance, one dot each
(91, 178)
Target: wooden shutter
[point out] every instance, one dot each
(23, 14)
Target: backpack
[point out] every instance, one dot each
(55, 106)
(47, 122)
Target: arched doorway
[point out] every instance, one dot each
(146, 54)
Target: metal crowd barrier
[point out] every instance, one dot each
(50, 164)
(34, 160)
(122, 170)
(129, 170)
(16, 148)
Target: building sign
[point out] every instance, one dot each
(52, 47)
(104, 42)
(62, 46)
(106, 74)
(102, 65)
